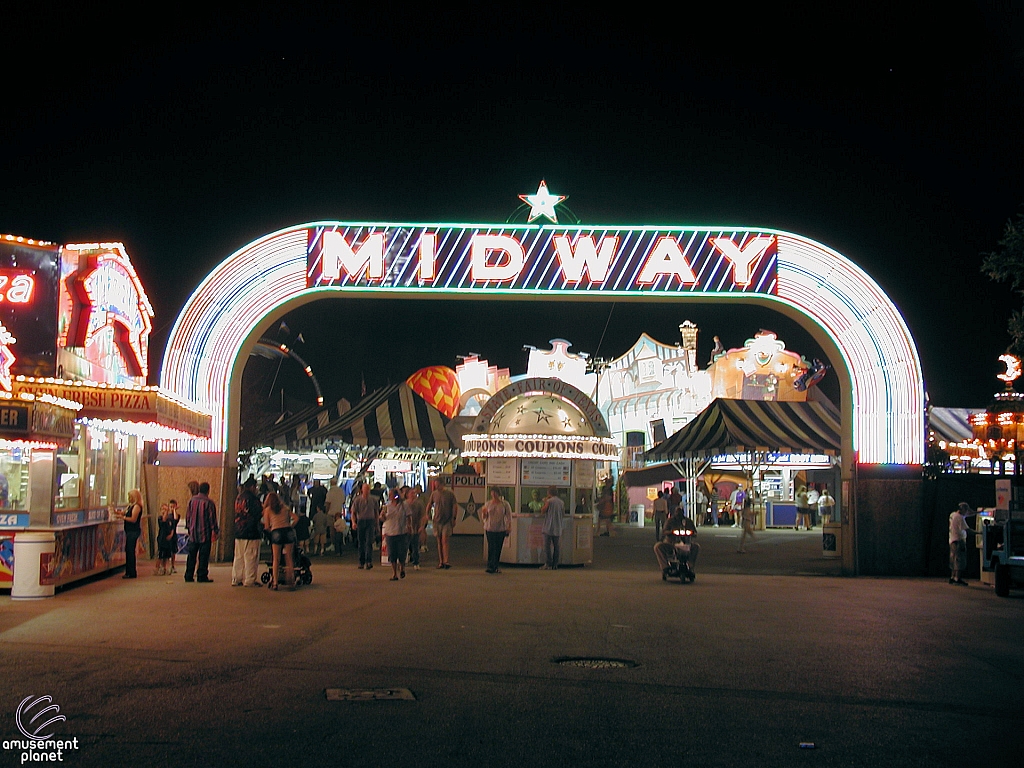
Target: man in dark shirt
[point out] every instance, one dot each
(201, 520)
(317, 499)
(248, 513)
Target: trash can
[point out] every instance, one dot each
(29, 547)
(832, 540)
(636, 515)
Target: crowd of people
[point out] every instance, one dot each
(373, 517)
(395, 519)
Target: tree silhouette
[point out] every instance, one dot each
(1006, 264)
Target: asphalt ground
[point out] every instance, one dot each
(739, 668)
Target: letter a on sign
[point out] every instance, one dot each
(586, 256)
(368, 257)
(743, 260)
(667, 259)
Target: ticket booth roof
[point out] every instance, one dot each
(540, 414)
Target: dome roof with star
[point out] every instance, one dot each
(540, 414)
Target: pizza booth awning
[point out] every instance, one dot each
(151, 412)
(37, 421)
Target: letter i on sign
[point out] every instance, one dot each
(428, 251)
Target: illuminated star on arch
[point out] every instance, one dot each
(542, 203)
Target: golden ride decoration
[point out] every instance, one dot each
(999, 431)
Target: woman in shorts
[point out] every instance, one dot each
(280, 521)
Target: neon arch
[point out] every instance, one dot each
(848, 313)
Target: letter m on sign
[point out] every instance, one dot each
(337, 257)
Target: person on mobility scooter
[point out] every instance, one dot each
(678, 549)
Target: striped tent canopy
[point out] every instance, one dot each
(736, 426)
(392, 416)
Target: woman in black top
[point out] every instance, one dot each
(132, 531)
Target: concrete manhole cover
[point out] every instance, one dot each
(369, 694)
(594, 662)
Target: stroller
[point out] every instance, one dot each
(303, 572)
(679, 559)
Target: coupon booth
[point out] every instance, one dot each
(534, 434)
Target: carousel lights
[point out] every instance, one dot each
(998, 432)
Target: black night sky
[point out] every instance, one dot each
(893, 138)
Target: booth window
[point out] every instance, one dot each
(69, 473)
(533, 500)
(97, 470)
(14, 463)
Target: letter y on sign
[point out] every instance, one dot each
(743, 260)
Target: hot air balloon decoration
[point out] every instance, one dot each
(438, 385)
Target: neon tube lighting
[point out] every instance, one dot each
(826, 287)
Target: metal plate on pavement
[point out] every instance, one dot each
(369, 694)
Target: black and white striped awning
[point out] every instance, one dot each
(737, 426)
(393, 416)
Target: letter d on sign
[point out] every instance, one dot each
(513, 258)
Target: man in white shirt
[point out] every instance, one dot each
(736, 499)
(812, 505)
(958, 531)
